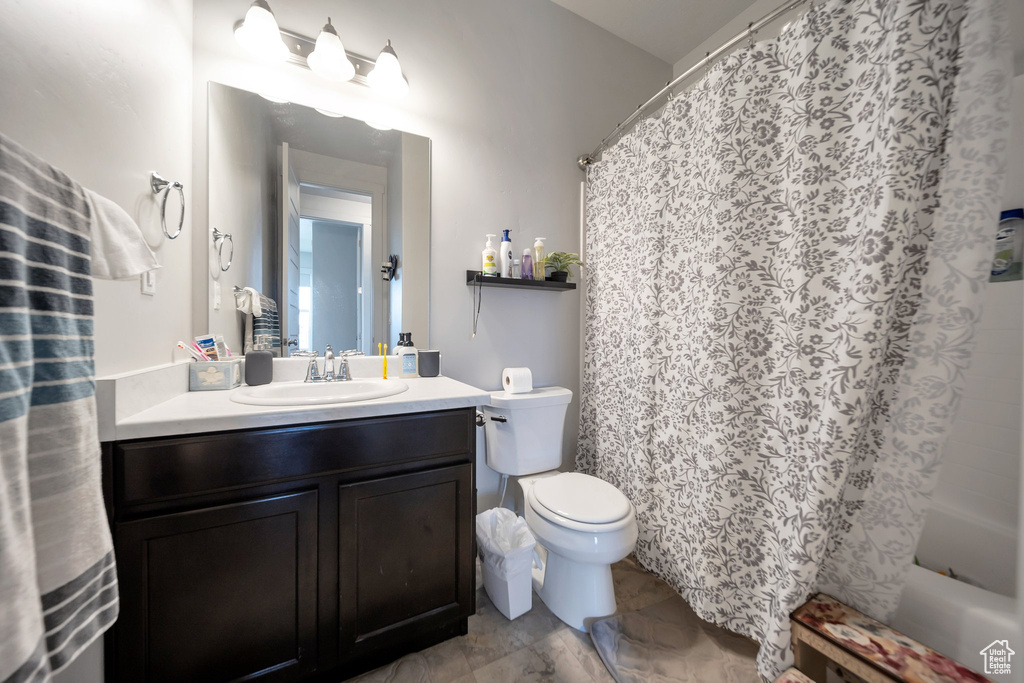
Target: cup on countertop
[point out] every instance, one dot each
(429, 363)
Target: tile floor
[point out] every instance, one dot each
(534, 647)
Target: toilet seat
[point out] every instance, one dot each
(580, 502)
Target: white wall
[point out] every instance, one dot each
(755, 11)
(510, 93)
(102, 90)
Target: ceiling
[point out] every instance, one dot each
(668, 29)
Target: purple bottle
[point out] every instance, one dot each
(526, 269)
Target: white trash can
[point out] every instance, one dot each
(506, 556)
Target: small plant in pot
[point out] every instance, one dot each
(559, 263)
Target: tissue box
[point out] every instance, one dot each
(215, 375)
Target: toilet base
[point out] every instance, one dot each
(575, 592)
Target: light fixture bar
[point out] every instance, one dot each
(300, 46)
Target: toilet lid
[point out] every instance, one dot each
(581, 498)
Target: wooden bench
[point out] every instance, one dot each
(792, 675)
(825, 629)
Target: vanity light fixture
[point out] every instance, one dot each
(386, 77)
(328, 59)
(260, 35)
(330, 114)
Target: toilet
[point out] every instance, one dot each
(582, 524)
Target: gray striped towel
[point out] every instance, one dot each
(261, 318)
(58, 582)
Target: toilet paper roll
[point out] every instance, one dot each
(517, 380)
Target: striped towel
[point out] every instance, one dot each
(261, 318)
(58, 583)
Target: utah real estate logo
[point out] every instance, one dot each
(997, 657)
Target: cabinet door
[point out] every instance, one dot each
(219, 594)
(406, 560)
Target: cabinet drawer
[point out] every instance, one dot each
(147, 471)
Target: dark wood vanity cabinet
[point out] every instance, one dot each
(291, 553)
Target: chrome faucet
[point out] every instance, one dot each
(328, 364)
(343, 372)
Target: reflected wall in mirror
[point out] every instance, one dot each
(315, 206)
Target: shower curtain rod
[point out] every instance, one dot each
(753, 27)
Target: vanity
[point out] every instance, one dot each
(299, 542)
(294, 531)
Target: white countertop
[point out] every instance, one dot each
(194, 412)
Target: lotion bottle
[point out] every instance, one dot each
(539, 254)
(526, 269)
(506, 255)
(490, 258)
(408, 356)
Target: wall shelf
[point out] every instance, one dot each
(474, 276)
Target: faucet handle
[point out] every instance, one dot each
(312, 372)
(344, 372)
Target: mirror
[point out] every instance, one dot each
(322, 212)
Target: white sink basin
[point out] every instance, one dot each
(317, 393)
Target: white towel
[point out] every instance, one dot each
(118, 248)
(248, 301)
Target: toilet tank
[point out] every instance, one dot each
(529, 440)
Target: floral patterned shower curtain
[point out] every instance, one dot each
(785, 269)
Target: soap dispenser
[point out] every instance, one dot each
(408, 356)
(506, 255)
(259, 362)
(539, 254)
(490, 258)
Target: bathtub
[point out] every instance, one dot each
(951, 616)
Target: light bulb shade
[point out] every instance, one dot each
(386, 77)
(260, 35)
(380, 123)
(328, 59)
(273, 98)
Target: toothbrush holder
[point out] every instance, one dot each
(215, 375)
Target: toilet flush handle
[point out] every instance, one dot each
(481, 419)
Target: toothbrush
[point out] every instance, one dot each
(200, 351)
(385, 361)
(195, 356)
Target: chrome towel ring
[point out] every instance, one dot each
(161, 184)
(219, 238)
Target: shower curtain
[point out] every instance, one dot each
(784, 272)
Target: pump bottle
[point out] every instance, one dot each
(490, 258)
(506, 255)
(539, 254)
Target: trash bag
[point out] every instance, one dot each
(506, 544)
